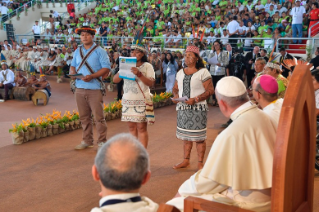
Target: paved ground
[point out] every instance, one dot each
(48, 175)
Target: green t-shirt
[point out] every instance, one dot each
(261, 29)
(223, 4)
(281, 86)
(81, 19)
(62, 55)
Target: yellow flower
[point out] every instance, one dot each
(14, 126)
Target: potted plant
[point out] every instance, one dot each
(17, 134)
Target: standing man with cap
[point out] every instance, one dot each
(265, 90)
(247, 142)
(297, 14)
(36, 31)
(92, 62)
(6, 80)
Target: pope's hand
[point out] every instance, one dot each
(191, 101)
(87, 78)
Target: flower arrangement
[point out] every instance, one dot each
(55, 123)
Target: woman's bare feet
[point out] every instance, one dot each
(181, 165)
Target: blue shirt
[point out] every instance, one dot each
(97, 60)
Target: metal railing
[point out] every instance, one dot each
(17, 11)
(316, 26)
(150, 41)
(310, 48)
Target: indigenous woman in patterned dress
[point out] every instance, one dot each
(133, 101)
(195, 83)
(274, 70)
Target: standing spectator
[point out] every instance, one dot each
(56, 15)
(232, 30)
(284, 55)
(250, 64)
(4, 11)
(36, 31)
(297, 14)
(314, 18)
(315, 61)
(103, 33)
(170, 67)
(217, 70)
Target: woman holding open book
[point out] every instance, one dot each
(193, 83)
(137, 94)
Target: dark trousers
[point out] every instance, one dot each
(66, 70)
(36, 37)
(215, 80)
(120, 89)
(233, 42)
(7, 87)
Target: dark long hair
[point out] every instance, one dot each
(200, 63)
(144, 58)
(172, 60)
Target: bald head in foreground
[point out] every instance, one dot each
(122, 167)
(238, 170)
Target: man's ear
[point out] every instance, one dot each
(146, 177)
(95, 174)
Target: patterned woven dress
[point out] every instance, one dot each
(192, 119)
(133, 101)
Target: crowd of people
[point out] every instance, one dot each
(166, 23)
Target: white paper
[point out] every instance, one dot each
(182, 99)
(126, 63)
(213, 60)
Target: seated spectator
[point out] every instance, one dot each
(222, 179)
(6, 80)
(265, 92)
(315, 61)
(274, 70)
(32, 80)
(20, 80)
(42, 84)
(121, 167)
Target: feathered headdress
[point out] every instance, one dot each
(290, 63)
(85, 29)
(138, 39)
(273, 57)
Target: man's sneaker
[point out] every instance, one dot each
(99, 145)
(83, 145)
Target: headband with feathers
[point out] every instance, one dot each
(137, 43)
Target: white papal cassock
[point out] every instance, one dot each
(238, 170)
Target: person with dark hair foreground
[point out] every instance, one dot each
(136, 93)
(122, 167)
(238, 169)
(265, 90)
(195, 83)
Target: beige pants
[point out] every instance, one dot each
(90, 102)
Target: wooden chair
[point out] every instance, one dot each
(294, 156)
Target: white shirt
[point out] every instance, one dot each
(259, 7)
(297, 14)
(241, 29)
(36, 29)
(241, 8)
(55, 14)
(224, 39)
(6, 46)
(317, 98)
(210, 39)
(177, 38)
(4, 10)
(9, 77)
(68, 62)
(267, 7)
(249, 6)
(232, 26)
(283, 9)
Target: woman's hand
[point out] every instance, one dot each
(175, 97)
(191, 101)
(218, 64)
(135, 70)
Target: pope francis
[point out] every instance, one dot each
(238, 170)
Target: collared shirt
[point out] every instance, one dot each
(297, 14)
(97, 60)
(232, 26)
(56, 14)
(118, 196)
(7, 76)
(36, 29)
